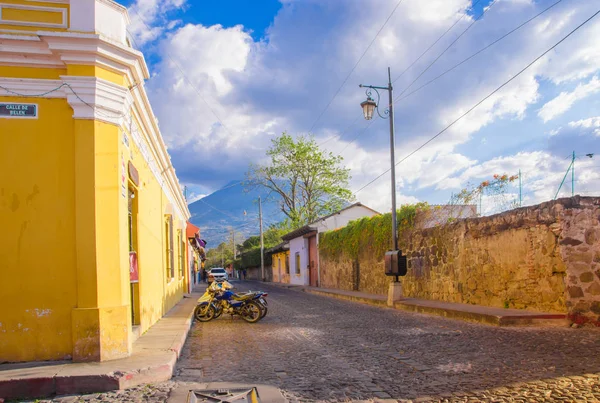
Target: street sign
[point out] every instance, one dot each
(18, 111)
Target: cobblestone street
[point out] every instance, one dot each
(320, 349)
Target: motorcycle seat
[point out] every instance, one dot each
(242, 297)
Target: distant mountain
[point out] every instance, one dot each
(232, 207)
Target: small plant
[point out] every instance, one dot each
(494, 189)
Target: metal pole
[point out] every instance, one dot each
(520, 190)
(393, 162)
(234, 252)
(233, 243)
(262, 244)
(565, 177)
(573, 175)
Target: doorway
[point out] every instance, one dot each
(312, 259)
(134, 281)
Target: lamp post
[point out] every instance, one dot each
(369, 106)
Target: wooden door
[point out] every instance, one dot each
(312, 261)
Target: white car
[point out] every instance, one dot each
(217, 273)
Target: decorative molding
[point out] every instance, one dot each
(117, 7)
(50, 1)
(18, 37)
(146, 152)
(61, 10)
(25, 61)
(31, 87)
(95, 98)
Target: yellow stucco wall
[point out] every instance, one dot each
(152, 257)
(65, 267)
(31, 17)
(37, 257)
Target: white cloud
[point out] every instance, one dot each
(554, 132)
(193, 197)
(579, 56)
(260, 88)
(565, 100)
(149, 19)
(590, 123)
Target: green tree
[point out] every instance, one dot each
(219, 256)
(310, 182)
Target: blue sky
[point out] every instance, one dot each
(245, 71)
(255, 16)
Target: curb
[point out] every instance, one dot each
(144, 365)
(510, 319)
(362, 300)
(499, 320)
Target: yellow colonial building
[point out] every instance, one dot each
(93, 240)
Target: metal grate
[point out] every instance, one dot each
(224, 395)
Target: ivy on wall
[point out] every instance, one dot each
(371, 234)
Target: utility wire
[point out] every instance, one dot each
(216, 209)
(355, 65)
(438, 39)
(428, 67)
(400, 97)
(485, 10)
(67, 85)
(483, 100)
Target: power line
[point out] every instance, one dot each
(400, 97)
(485, 10)
(428, 67)
(355, 65)
(67, 85)
(216, 209)
(483, 100)
(437, 40)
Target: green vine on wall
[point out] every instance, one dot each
(373, 233)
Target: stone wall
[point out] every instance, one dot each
(541, 258)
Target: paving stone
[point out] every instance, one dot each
(318, 349)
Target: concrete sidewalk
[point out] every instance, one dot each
(152, 360)
(471, 313)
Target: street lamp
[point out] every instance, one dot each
(369, 106)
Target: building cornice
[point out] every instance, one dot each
(115, 6)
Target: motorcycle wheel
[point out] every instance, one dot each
(251, 313)
(204, 312)
(263, 309)
(219, 311)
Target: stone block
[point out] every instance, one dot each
(575, 292)
(579, 267)
(581, 307)
(570, 241)
(594, 289)
(595, 307)
(587, 277)
(583, 257)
